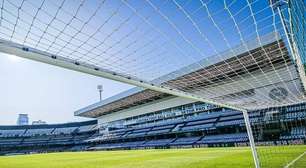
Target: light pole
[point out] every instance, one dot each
(100, 89)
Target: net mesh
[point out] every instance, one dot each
(235, 52)
(298, 26)
(279, 135)
(280, 132)
(231, 52)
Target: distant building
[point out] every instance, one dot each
(39, 122)
(23, 119)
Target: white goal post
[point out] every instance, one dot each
(241, 55)
(36, 55)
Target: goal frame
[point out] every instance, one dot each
(44, 57)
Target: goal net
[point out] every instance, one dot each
(240, 54)
(280, 132)
(279, 135)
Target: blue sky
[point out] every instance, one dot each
(46, 92)
(121, 41)
(124, 40)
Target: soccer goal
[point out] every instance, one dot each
(279, 132)
(246, 55)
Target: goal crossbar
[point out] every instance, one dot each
(44, 57)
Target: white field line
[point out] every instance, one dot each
(293, 161)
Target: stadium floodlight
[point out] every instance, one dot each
(100, 89)
(205, 49)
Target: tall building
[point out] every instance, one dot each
(23, 119)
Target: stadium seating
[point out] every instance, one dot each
(296, 115)
(11, 142)
(202, 128)
(224, 138)
(12, 132)
(132, 144)
(41, 131)
(185, 141)
(35, 140)
(198, 127)
(158, 132)
(87, 128)
(159, 142)
(296, 133)
(67, 130)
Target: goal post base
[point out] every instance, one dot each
(251, 137)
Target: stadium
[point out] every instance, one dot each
(242, 105)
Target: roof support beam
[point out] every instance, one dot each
(44, 57)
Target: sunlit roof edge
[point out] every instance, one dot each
(239, 49)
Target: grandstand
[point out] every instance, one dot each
(203, 126)
(144, 119)
(140, 118)
(207, 74)
(45, 138)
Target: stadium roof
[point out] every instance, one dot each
(175, 48)
(213, 78)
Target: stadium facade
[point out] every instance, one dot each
(189, 124)
(143, 118)
(127, 107)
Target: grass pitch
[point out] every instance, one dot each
(170, 158)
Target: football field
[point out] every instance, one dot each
(169, 158)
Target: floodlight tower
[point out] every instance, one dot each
(100, 89)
